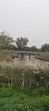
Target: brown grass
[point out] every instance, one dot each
(43, 56)
(7, 55)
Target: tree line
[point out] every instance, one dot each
(7, 42)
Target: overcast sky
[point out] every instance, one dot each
(26, 18)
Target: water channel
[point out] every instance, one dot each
(31, 62)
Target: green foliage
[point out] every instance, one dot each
(3, 85)
(5, 41)
(21, 43)
(17, 100)
(33, 48)
(32, 78)
(45, 47)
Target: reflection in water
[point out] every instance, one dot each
(31, 62)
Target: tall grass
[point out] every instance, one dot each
(32, 78)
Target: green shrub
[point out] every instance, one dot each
(17, 99)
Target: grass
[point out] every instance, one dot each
(23, 99)
(7, 55)
(43, 56)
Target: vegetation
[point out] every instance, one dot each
(21, 43)
(22, 88)
(23, 99)
(7, 55)
(7, 42)
(43, 56)
(45, 47)
(25, 76)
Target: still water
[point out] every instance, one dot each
(31, 62)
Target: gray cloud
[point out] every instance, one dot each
(26, 18)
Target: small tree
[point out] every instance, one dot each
(21, 43)
(5, 40)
